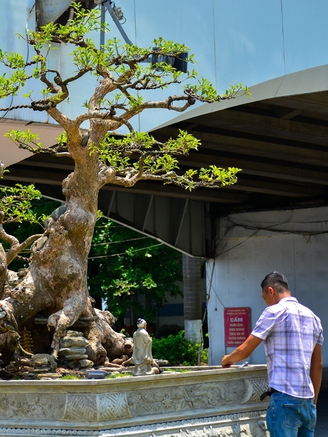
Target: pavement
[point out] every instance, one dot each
(321, 429)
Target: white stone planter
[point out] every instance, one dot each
(209, 403)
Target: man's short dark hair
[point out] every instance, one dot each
(275, 280)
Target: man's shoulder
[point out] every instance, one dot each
(282, 305)
(292, 304)
(285, 305)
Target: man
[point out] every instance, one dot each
(293, 338)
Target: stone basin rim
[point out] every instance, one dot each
(195, 374)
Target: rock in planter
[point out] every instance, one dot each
(72, 352)
(39, 364)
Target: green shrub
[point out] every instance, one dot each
(177, 350)
(204, 356)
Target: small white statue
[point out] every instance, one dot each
(142, 350)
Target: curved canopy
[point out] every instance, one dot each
(278, 136)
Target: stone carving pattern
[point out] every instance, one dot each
(35, 432)
(31, 406)
(169, 399)
(251, 424)
(249, 430)
(96, 407)
(254, 388)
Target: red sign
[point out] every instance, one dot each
(237, 322)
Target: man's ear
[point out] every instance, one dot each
(271, 291)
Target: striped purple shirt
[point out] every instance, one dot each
(290, 332)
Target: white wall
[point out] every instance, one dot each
(294, 242)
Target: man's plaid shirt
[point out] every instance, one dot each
(290, 332)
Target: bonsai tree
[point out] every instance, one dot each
(54, 286)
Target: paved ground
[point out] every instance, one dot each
(322, 415)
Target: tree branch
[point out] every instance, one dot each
(15, 246)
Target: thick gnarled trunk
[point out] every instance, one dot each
(55, 286)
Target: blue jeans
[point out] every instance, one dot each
(288, 416)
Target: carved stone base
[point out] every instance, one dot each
(205, 403)
(246, 425)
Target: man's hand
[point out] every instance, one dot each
(226, 361)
